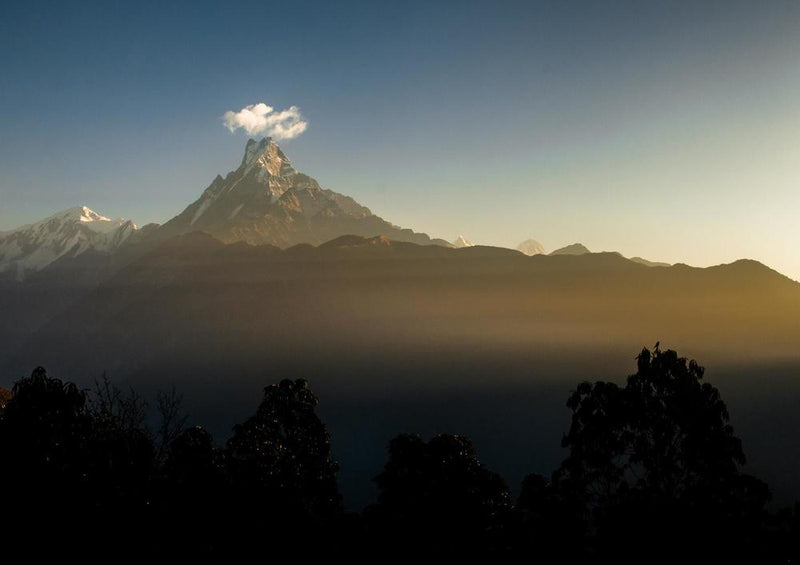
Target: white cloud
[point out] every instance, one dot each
(260, 119)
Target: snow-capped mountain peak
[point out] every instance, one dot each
(88, 218)
(267, 158)
(531, 247)
(266, 201)
(255, 149)
(86, 215)
(462, 241)
(67, 233)
(252, 149)
(263, 176)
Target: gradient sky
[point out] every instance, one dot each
(669, 130)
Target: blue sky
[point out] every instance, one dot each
(669, 130)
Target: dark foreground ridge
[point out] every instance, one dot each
(653, 474)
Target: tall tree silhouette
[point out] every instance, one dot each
(657, 460)
(80, 470)
(43, 433)
(279, 460)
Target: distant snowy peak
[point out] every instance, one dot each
(531, 247)
(78, 215)
(67, 233)
(86, 215)
(462, 241)
(90, 219)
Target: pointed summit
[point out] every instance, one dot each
(462, 241)
(265, 152)
(81, 214)
(266, 201)
(269, 166)
(253, 148)
(89, 218)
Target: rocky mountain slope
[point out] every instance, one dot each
(266, 201)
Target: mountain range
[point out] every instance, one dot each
(265, 201)
(57, 264)
(65, 234)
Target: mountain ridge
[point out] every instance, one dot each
(68, 233)
(263, 201)
(195, 289)
(573, 249)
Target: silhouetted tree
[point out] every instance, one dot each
(122, 454)
(279, 463)
(653, 475)
(656, 461)
(80, 470)
(438, 497)
(43, 434)
(127, 410)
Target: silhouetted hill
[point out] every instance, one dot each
(573, 249)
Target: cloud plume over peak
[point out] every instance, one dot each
(261, 119)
